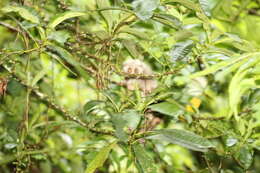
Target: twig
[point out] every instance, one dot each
(48, 101)
(10, 27)
(149, 76)
(208, 118)
(124, 22)
(246, 112)
(92, 71)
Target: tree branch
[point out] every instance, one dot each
(10, 27)
(48, 101)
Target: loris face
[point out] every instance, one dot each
(137, 67)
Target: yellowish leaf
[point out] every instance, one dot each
(189, 109)
(195, 102)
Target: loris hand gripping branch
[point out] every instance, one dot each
(138, 67)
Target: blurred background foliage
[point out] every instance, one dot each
(65, 108)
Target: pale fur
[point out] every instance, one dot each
(138, 67)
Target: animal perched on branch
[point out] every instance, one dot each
(140, 78)
(137, 67)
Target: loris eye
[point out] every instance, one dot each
(137, 71)
(129, 70)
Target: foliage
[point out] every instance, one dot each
(65, 108)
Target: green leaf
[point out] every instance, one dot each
(180, 50)
(216, 129)
(38, 77)
(64, 16)
(59, 36)
(191, 5)
(197, 86)
(66, 56)
(107, 14)
(124, 122)
(131, 47)
(166, 108)
(25, 12)
(144, 161)
(14, 88)
(183, 138)
(241, 83)
(235, 90)
(205, 7)
(220, 76)
(144, 8)
(134, 32)
(168, 19)
(223, 64)
(182, 35)
(100, 158)
(230, 141)
(41, 32)
(187, 3)
(120, 124)
(244, 156)
(92, 105)
(132, 118)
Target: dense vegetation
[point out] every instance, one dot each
(65, 105)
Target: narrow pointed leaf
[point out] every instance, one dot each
(205, 7)
(135, 32)
(66, 56)
(144, 161)
(187, 3)
(244, 156)
(183, 138)
(125, 121)
(100, 158)
(107, 14)
(166, 108)
(223, 64)
(144, 8)
(181, 50)
(38, 77)
(168, 20)
(131, 48)
(64, 16)
(24, 12)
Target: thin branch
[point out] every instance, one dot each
(124, 22)
(48, 101)
(242, 113)
(149, 76)
(10, 27)
(113, 8)
(208, 118)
